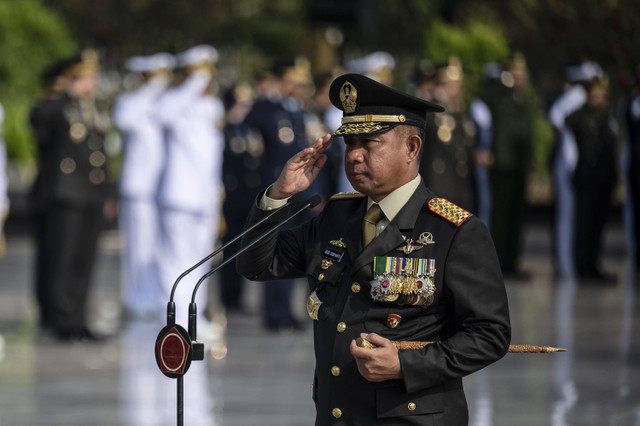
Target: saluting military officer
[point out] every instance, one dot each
(390, 262)
(135, 115)
(190, 192)
(70, 193)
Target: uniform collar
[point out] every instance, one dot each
(393, 203)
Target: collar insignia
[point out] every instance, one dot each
(338, 243)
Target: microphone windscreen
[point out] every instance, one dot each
(314, 200)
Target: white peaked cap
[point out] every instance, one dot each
(197, 55)
(371, 63)
(159, 61)
(586, 71)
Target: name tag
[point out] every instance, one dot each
(334, 255)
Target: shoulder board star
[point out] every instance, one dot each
(346, 195)
(448, 210)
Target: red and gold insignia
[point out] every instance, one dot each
(393, 320)
(445, 208)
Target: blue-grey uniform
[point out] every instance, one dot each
(191, 186)
(135, 115)
(565, 161)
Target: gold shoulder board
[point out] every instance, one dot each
(346, 195)
(448, 210)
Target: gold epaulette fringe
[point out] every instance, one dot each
(448, 210)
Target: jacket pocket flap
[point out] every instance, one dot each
(393, 402)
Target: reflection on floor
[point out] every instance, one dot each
(252, 377)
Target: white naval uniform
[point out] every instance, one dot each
(191, 187)
(565, 162)
(134, 114)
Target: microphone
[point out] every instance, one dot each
(313, 201)
(171, 306)
(175, 347)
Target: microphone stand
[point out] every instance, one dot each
(187, 340)
(175, 332)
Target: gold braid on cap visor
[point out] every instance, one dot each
(368, 123)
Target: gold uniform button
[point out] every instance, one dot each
(355, 287)
(411, 406)
(321, 276)
(342, 326)
(311, 387)
(335, 370)
(337, 413)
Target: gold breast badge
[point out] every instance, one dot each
(409, 247)
(425, 238)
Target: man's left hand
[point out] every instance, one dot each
(380, 363)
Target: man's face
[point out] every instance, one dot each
(378, 164)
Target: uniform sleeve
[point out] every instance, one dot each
(278, 256)
(480, 316)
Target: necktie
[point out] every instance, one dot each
(373, 215)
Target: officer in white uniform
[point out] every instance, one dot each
(4, 184)
(135, 115)
(191, 187)
(565, 162)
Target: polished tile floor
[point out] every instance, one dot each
(252, 377)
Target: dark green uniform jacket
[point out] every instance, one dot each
(467, 314)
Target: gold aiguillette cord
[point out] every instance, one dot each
(518, 349)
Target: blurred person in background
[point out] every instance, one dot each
(243, 158)
(595, 132)
(135, 116)
(512, 106)
(565, 160)
(70, 194)
(377, 66)
(480, 114)
(279, 118)
(190, 192)
(4, 186)
(632, 120)
(447, 161)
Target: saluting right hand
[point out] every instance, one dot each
(301, 170)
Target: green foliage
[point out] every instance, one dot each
(31, 37)
(475, 43)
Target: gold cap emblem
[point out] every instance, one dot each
(348, 97)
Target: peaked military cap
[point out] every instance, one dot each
(370, 107)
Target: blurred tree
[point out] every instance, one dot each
(31, 37)
(475, 42)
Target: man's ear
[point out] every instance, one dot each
(413, 144)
